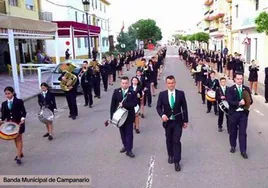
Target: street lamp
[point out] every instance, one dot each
(86, 4)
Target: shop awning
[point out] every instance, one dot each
(79, 29)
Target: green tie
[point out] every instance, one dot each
(172, 101)
(123, 92)
(9, 105)
(240, 92)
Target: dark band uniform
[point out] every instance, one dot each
(48, 100)
(87, 84)
(238, 117)
(220, 91)
(126, 130)
(173, 128)
(14, 112)
(212, 84)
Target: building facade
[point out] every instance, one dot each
(72, 11)
(246, 40)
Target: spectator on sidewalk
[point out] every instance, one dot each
(266, 85)
(253, 77)
(94, 54)
(67, 54)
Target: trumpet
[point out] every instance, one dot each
(95, 66)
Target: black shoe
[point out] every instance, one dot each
(149, 105)
(142, 116)
(98, 97)
(90, 106)
(216, 113)
(244, 155)
(204, 102)
(85, 104)
(73, 117)
(123, 150)
(95, 96)
(105, 90)
(137, 131)
(208, 111)
(50, 137)
(256, 94)
(130, 154)
(232, 150)
(70, 116)
(19, 161)
(170, 160)
(177, 167)
(220, 130)
(46, 135)
(266, 101)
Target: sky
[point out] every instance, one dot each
(170, 15)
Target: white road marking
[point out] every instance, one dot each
(258, 112)
(150, 173)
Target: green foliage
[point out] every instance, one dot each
(128, 40)
(262, 23)
(202, 37)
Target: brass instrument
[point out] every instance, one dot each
(70, 79)
(95, 66)
(247, 99)
(140, 63)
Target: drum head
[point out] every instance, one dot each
(211, 94)
(225, 103)
(47, 114)
(9, 128)
(137, 109)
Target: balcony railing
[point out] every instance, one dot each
(46, 16)
(206, 12)
(228, 21)
(3, 7)
(229, 1)
(214, 30)
(206, 29)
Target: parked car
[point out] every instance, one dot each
(53, 81)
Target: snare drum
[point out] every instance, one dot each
(137, 109)
(45, 115)
(119, 117)
(224, 106)
(9, 130)
(211, 95)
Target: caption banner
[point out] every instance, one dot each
(45, 180)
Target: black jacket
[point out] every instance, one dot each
(212, 84)
(49, 101)
(87, 78)
(220, 93)
(16, 113)
(180, 106)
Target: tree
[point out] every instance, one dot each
(202, 37)
(262, 23)
(126, 42)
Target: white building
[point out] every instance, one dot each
(70, 13)
(246, 40)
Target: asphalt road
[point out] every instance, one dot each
(85, 147)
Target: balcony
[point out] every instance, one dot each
(46, 16)
(228, 21)
(209, 18)
(229, 1)
(3, 7)
(219, 15)
(208, 2)
(206, 29)
(214, 30)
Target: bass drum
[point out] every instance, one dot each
(45, 115)
(9, 130)
(211, 95)
(119, 117)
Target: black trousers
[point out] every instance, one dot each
(203, 93)
(104, 77)
(266, 92)
(114, 75)
(173, 133)
(126, 132)
(219, 67)
(238, 122)
(71, 100)
(209, 105)
(148, 95)
(220, 120)
(96, 86)
(87, 89)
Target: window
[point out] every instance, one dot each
(100, 6)
(107, 42)
(79, 42)
(96, 4)
(92, 4)
(84, 19)
(257, 4)
(104, 8)
(89, 20)
(92, 42)
(256, 48)
(13, 3)
(236, 11)
(102, 24)
(86, 43)
(29, 4)
(105, 25)
(76, 16)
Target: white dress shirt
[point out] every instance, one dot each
(134, 87)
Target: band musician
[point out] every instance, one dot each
(129, 102)
(172, 108)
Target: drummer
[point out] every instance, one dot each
(13, 110)
(212, 84)
(125, 98)
(221, 96)
(136, 87)
(47, 99)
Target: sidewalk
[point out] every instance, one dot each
(28, 89)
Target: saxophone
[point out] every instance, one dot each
(70, 79)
